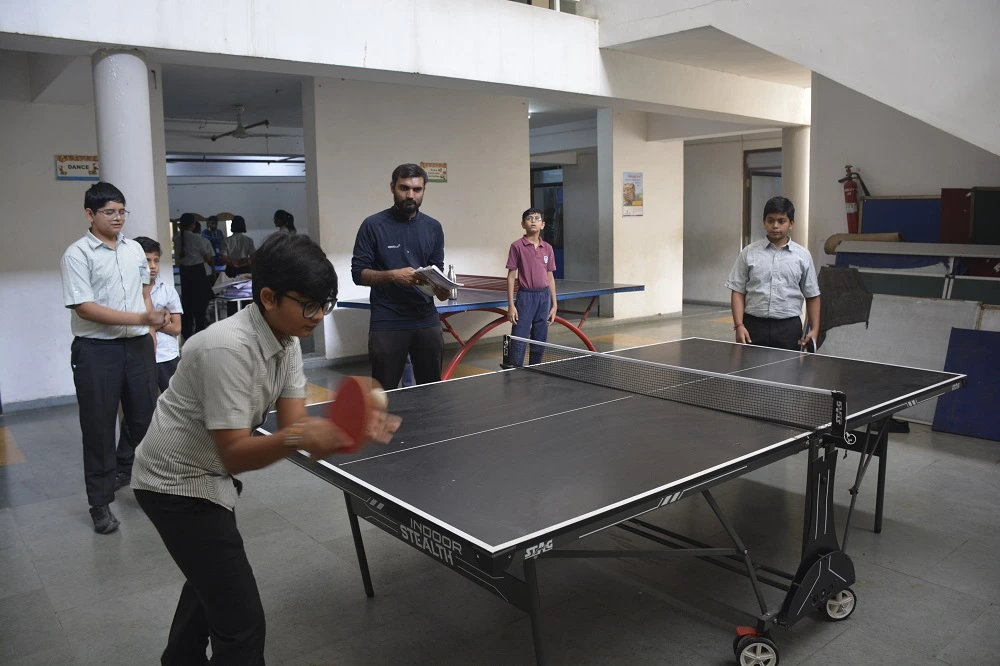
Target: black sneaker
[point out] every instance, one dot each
(122, 479)
(104, 521)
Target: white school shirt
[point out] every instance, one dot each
(164, 296)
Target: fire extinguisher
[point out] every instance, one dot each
(851, 197)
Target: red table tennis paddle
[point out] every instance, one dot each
(350, 410)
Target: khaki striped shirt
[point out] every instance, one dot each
(229, 378)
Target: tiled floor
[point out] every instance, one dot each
(928, 587)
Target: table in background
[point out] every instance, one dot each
(483, 293)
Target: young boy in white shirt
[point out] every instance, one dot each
(164, 297)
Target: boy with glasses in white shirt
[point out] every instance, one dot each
(106, 285)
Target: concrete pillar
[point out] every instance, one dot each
(124, 135)
(795, 181)
(607, 198)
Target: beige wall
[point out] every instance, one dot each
(648, 250)
(39, 219)
(363, 130)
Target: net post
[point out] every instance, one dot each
(838, 419)
(505, 362)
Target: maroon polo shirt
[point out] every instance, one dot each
(532, 264)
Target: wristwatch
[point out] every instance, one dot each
(293, 437)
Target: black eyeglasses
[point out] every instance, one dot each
(311, 308)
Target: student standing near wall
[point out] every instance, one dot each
(106, 285)
(193, 253)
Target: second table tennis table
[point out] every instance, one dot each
(485, 293)
(489, 474)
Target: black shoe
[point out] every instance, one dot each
(122, 479)
(104, 521)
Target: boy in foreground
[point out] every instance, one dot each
(230, 377)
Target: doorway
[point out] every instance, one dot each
(761, 181)
(547, 196)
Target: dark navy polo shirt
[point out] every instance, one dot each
(386, 241)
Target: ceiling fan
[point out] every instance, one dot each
(240, 132)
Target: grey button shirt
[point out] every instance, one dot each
(229, 378)
(93, 272)
(776, 282)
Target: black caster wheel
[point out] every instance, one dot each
(840, 605)
(756, 651)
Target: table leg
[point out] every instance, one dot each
(359, 546)
(586, 313)
(534, 609)
(883, 449)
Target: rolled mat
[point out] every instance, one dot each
(830, 246)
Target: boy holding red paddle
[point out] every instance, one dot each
(230, 377)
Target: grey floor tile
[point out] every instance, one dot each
(24, 605)
(84, 579)
(973, 568)
(921, 616)
(867, 645)
(306, 501)
(9, 536)
(28, 627)
(254, 519)
(978, 644)
(19, 489)
(129, 629)
(59, 656)
(62, 528)
(19, 574)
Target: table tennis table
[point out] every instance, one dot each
(490, 473)
(484, 293)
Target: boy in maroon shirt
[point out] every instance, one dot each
(532, 260)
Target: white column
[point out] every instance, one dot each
(607, 198)
(795, 184)
(124, 134)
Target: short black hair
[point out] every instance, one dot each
(779, 205)
(99, 194)
(408, 171)
(238, 225)
(287, 262)
(149, 246)
(213, 218)
(532, 211)
(188, 221)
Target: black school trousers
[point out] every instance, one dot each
(219, 600)
(778, 333)
(195, 296)
(108, 373)
(387, 352)
(126, 442)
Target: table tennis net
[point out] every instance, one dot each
(786, 404)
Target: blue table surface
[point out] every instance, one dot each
(477, 299)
